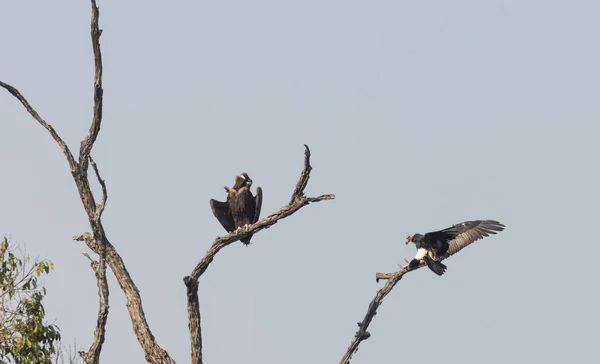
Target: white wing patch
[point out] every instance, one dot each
(421, 253)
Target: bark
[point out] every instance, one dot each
(362, 333)
(92, 356)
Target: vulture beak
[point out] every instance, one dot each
(408, 239)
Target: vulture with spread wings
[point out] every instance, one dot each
(241, 208)
(436, 246)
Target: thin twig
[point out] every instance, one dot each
(362, 333)
(100, 207)
(72, 164)
(298, 201)
(304, 176)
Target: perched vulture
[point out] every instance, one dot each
(436, 246)
(241, 208)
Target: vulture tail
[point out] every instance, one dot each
(246, 240)
(436, 267)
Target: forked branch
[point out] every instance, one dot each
(362, 333)
(98, 242)
(297, 202)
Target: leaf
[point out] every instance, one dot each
(4, 246)
(24, 337)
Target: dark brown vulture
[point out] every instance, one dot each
(241, 208)
(436, 246)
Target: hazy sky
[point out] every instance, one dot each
(419, 114)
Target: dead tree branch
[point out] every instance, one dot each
(362, 333)
(297, 202)
(304, 176)
(90, 139)
(72, 164)
(100, 207)
(97, 241)
(92, 356)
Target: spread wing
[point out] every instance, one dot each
(468, 232)
(222, 213)
(258, 204)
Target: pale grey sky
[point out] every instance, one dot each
(419, 115)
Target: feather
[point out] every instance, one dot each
(469, 232)
(221, 212)
(436, 246)
(258, 204)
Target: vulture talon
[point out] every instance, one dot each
(402, 266)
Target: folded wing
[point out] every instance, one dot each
(258, 200)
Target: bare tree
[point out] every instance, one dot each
(98, 242)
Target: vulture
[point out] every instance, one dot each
(241, 208)
(436, 246)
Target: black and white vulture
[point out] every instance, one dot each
(241, 208)
(436, 246)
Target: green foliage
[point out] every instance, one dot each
(24, 337)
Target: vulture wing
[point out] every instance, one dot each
(222, 213)
(258, 204)
(468, 232)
